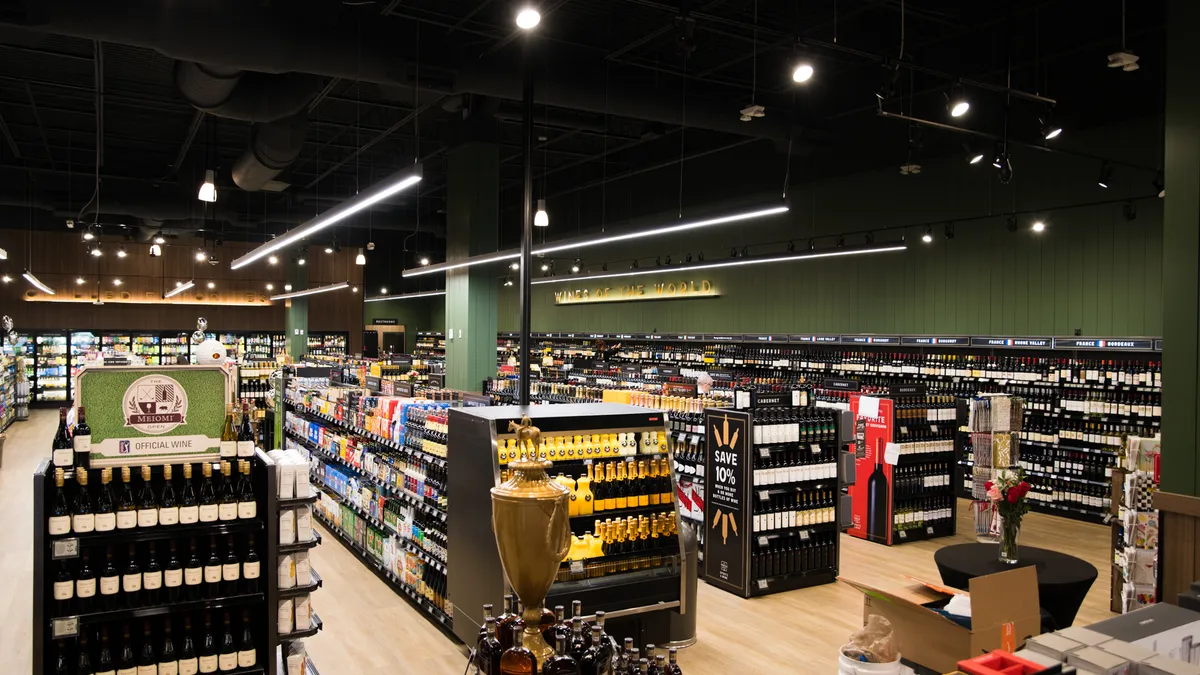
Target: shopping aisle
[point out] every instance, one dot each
(369, 630)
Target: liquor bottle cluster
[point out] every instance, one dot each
(158, 500)
(635, 543)
(919, 512)
(788, 509)
(774, 426)
(175, 646)
(156, 573)
(588, 446)
(792, 553)
(795, 464)
(613, 486)
(253, 387)
(1093, 466)
(931, 408)
(917, 479)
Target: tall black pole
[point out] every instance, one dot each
(527, 223)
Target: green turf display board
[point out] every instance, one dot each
(159, 415)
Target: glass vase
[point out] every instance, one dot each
(1010, 534)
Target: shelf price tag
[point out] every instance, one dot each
(765, 453)
(64, 627)
(803, 535)
(65, 548)
(929, 530)
(576, 567)
(762, 541)
(762, 584)
(904, 534)
(763, 495)
(815, 447)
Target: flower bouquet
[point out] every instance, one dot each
(1009, 493)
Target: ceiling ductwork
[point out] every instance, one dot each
(234, 35)
(276, 104)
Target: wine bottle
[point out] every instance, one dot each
(562, 663)
(168, 507)
(251, 567)
(208, 496)
(104, 657)
(189, 507)
(131, 579)
(147, 513)
(188, 663)
(193, 574)
(60, 512)
(879, 522)
(110, 582)
(227, 655)
(168, 660)
(147, 660)
(488, 651)
(247, 655)
(152, 577)
(63, 449)
(517, 660)
(246, 506)
(231, 571)
(228, 505)
(85, 584)
(106, 514)
(208, 648)
(228, 434)
(64, 589)
(83, 664)
(212, 571)
(245, 438)
(126, 508)
(173, 576)
(126, 665)
(81, 441)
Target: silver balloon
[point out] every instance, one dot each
(7, 323)
(201, 324)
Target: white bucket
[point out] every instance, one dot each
(849, 666)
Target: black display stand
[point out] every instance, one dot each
(638, 603)
(748, 563)
(54, 627)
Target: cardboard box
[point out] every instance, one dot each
(1098, 660)
(1037, 657)
(1083, 636)
(1135, 654)
(1000, 603)
(1053, 645)
(1161, 665)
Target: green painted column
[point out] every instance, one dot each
(472, 226)
(296, 318)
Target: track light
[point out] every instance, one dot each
(1106, 172)
(424, 261)
(201, 256)
(1006, 169)
(1160, 186)
(507, 281)
(700, 255)
(405, 296)
(329, 248)
(689, 257)
(575, 266)
(515, 266)
(928, 236)
(354, 289)
(541, 218)
(1049, 129)
(633, 265)
(159, 238)
(287, 287)
(668, 260)
(301, 260)
(383, 290)
(812, 245)
(733, 252)
(360, 259)
(1011, 223)
(6, 279)
(604, 267)
(956, 102)
(841, 241)
(998, 156)
(270, 287)
(1038, 226)
(802, 73)
(96, 250)
(658, 261)
(528, 18)
(208, 189)
(88, 235)
(155, 250)
(545, 267)
(121, 252)
(37, 283)
(870, 238)
(180, 287)
(973, 155)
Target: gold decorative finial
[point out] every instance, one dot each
(529, 437)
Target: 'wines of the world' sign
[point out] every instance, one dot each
(666, 290)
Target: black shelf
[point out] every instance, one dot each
(292, 592)
(130, 614)
(300, 634)
(789, 582)
(139, 534)
(301, 545)
(943, 529)
(299, 501)
(624, 513)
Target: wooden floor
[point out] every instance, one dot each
(369, 630)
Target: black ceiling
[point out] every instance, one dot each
(617, 82)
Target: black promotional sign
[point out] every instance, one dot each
(838, 384)
(401, 360)
(629, 369)
(384, 322)
(907, 389)
(721, 374)
(1140, 344)
(373, 383)
(668, 371)
(476, 400)
(1013, 342)
(404, 388)
(679, 389)
(726, 518)
(116, 360)
(437, 381)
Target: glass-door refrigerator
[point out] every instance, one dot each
(235, 345)
(174, 345)
(279, 344)
(52, 368)
(147, 346)
(115, 342)
(82, 342)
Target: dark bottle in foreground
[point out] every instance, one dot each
(83, 666)
(147, 661)
(593, 661)
(247, 655)
(506, 620)
(168, 660)
(672, 666)
(561, 663)
(188, 663)
(63, 450)
(60, 512)
(487, 614)
(517, 660)
(81, 441)
(488, 651)
(126, 664)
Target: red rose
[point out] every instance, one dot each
(1012, 495)
(987, 485)
(1024, 488)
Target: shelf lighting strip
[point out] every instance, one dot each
(737, 262)
(312, 291)
(405, 296)
(397, 182)
(569, 244)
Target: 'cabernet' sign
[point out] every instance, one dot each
(667, 290)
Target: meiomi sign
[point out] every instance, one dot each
(667, 290)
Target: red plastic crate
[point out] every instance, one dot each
(999, 663)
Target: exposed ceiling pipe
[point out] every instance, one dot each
(234, 34)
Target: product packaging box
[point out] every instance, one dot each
(1098, 661)
(1133, 653)
(1004, 612)
(1161, 665)
(1054, 645)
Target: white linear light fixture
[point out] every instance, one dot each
(405, 296)
(397, 182)
(312, 291)
(180, 287)
(554, 247)
(37, 283)
(788, 257)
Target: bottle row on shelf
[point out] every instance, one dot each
(788, 509)
(916, 480)
(773, 426)
(622, 545)
(587, 446)
(614, 486)
(793, 463)
(793, 553)
(195, 648)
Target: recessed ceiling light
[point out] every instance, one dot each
(1039, 226)
(116, 282)
(287, 287)
(528, 18)
(272, 260)
(802, 73)
(79, 281)
(270, 287)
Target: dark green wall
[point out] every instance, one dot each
(414, 315)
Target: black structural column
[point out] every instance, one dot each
(527, 222)
(1179, 500)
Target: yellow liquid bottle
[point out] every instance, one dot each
(597, 544)
(597, 488)
(569, 483)
(655, 497)
(662, 442)
(596, 445)
(579, 549)
(643, 485)
(578, 447)
(583, 494)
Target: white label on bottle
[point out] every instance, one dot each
(168, 668)
(106, 522)
(188, 666)
(229, 448)
(152, 581)
(127, 671)
(85, 588)
(212, 574)
(110, 585)
(151, 669)
(63, 457)
(208, 664)
(83, 443)
(245, 448)
(168, 515)
(126, 520)
(227, 661)
(208, 513)
(131, 583)
(64, 590)
(247, 509)
(83, 523)
(250, 570)
(228, 511)
(173, 578)
(192, 576)
(147, 517)
(229, 571)
(60, 524)
(245, 659)
(189, 514)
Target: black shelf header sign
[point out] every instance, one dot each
(374, 384)
(1139, 344)
(839, 384)
(1013, 342)
(726, 470)
(922, 341)
(870, 339)
(403, 388)
(384, 322)
(907, 389)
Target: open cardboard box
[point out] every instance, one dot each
(1005, 602)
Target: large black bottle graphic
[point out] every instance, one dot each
(878, 499)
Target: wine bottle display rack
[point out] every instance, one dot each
(1078, 386)
(155, 593)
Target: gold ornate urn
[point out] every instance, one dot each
(533, 532)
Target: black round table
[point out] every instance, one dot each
(1063, 580)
